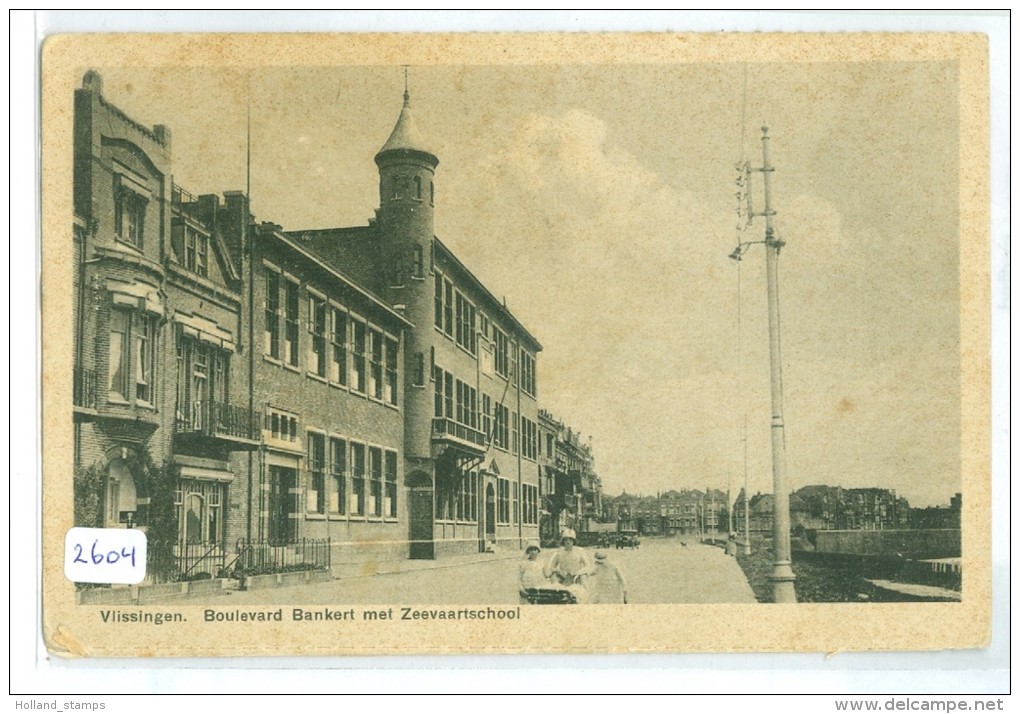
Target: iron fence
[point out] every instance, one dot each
(176, 562)
(264, 557)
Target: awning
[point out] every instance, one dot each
(136, 295)
(206, 474)
(205, 330)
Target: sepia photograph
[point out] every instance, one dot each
(489, 323)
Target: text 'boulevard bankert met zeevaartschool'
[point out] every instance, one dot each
(323, 614)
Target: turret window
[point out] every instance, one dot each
(395, 194)
(419, 262)
(432, 193)
(417, 187)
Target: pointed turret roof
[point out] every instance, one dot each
(405, 137)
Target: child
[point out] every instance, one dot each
(531, 573)
(607, 584)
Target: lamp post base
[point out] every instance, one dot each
(782, 578)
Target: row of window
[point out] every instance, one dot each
(350, 478)
(458, 500)
(455, 316)
(455, 399)
(521, 507)
(399, 183)
(342, 348)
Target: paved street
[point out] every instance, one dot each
(660, 571)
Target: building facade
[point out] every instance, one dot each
(236, 383)
(159, 381)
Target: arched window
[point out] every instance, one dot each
(417, 187)
(396, 188)
(432, 193)
(193, 522)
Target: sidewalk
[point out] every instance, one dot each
(368, 569)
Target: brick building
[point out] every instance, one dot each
(159, 384)
(235, 381)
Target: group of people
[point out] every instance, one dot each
(570, 567)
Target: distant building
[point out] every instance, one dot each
(938, 516)
(571, 489)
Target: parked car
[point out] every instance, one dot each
(628, 540)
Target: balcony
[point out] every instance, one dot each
(230, 425)
(86, 390)
(465, 438)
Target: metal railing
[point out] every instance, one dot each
(86, 388)
(218, 419)
(175, 562)
(442, 426)
(264, 557)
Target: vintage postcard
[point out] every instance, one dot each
(421, 344)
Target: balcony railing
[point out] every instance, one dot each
(443, 428)
(218, 420)
(85, 388)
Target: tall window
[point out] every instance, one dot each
(501, 435)
(120, 321)
(517, 499)
(129, 216)
(418, 261)
(466, 336)
(375, 466)
(467, 405)
(357, 479)
(316, 473)
(132, 357)
(448, 308)
(503, 501)
(199, 512)
(196, 251)
(528, 373)
(272, 346)
(338, 342)
(502, 352)
(338, 475)
(529, 436)
(391, 371)
(203, 372)
(417, 187)
(390, 506)
(419, 369)
(291, 306)
(438, 302)
(487, 416)
(516, 433)
(317, 329)
(358, 356)
(375, 381)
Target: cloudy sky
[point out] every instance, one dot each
(600, 201)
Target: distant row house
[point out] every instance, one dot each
(238, 384)
(571, 488)
(829, 508)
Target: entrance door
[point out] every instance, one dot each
(419, 511)
(490, 512)
(282, 484)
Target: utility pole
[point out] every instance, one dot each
(782, 576)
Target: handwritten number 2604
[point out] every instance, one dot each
(98, 557)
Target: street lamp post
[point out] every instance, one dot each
(782, 576)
